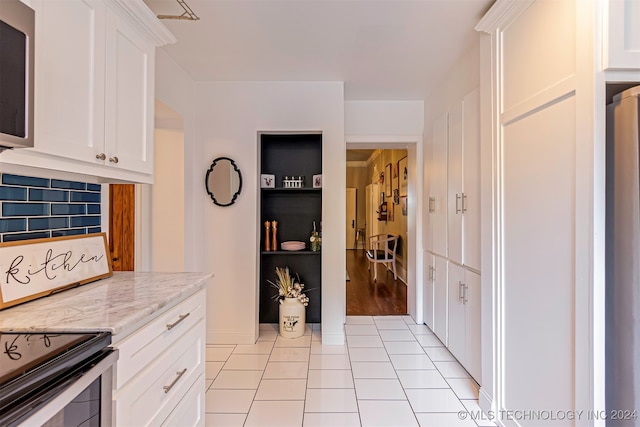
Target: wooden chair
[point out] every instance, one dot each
(382, 249)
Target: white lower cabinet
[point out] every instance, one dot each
(190, 410)
(464, 318)
(159, 376)
(440, 306)
(429, 262)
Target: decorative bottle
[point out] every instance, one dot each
(314, 243)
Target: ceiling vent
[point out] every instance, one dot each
(188, 14)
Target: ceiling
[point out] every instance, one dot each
(359, 155)
(380, 49)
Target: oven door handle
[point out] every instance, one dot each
(68, 391)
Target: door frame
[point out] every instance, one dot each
(413, 145)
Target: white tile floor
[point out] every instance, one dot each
(391, 372)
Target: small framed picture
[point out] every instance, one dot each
(317, 181)
(267, 181)
(404, 206)
(387, 180)
(404, 176)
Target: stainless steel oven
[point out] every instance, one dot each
(50, 379)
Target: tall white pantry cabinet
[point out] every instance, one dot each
(545, 66)
(452, 257)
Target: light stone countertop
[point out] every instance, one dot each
(112, 304)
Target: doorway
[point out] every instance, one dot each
(365, 181)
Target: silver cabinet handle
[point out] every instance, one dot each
(432, 204)
(113, 159)
(431, 273)
(180, 319)
(179, 374)
(101, 156)
(460, 290)
(464, 197)
(464, 293)
(457, 200)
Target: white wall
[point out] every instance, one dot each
(167, 201)
(176, 89)
(383, 117)
(229, 117)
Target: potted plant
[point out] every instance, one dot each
(292, 303)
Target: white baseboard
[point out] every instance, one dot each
(332, 339)
(485, 401)
(231, 337)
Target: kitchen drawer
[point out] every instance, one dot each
(190, 410)
(151, 396)
(144, 345)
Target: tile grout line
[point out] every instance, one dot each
(404, 391)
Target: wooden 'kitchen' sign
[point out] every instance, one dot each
(32, 269)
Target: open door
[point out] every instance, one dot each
(372, 205)
(122, 226)
(351, 218)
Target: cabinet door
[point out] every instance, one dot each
(470, 203)
(429, 263)
(456, 314)
(129, 99)
(70, 78)
(428, 204)
(472, 356)
(190, 410)
(622, 44)
(454, 187)
(440, 299)
(439, 186)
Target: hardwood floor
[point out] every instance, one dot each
(366, 297)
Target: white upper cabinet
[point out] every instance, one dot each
(463, 209)
(470, 200)
(94, 103)
(438, 187)
(454, 187)
(622, 35)
(129, 98)
(70, 83)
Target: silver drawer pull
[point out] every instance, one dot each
(180, 319)
(179, 374)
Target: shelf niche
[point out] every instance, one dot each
(295, 209)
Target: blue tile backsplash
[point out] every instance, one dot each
(35, 208)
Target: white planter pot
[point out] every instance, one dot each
(292, 318)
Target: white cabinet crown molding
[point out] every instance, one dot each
(141, 17)
(501, 13)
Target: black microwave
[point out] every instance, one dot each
(17, 30)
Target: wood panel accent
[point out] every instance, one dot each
(122, 226)
(366, 297)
